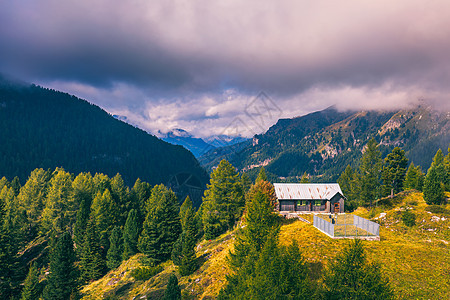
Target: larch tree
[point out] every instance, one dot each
(223, 201)
(31, 287)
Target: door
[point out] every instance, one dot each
(336, 207)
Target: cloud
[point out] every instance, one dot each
(197, 64)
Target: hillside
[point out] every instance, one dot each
(415, 259)
(325, 142)
(43, 128)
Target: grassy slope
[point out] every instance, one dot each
(416, 260)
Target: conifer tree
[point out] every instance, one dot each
(115, 251)
(304, 178)
(130, 235)
(370, 170)
(15, 184)
(119, 194)
(62, 280)
(33, 194)
(223, 201)
(173, 291)
(261, 175)
(411, 178)
(350, 276)
(185, 208)
(246, 182)
(82, 219)
(92, 264)
(394, 171)
(105, 213)
(60, 209)
(433, 187)
(31, 289)
(139, 194)
(162, 225)
(188, 259)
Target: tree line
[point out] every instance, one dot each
(376, 177)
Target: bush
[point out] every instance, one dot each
(436, 209)
(409, 218)
(145, 273)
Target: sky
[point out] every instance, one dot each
(226, 66)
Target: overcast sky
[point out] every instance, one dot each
(202, 65)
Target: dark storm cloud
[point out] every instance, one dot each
(158, 60)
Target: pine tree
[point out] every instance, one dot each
(15, 184)
(223, 201)
(139, 194)
(438, 159)
(31, 289)
(246, 182)
(173, 291)
(350, 276)
(106, 214)
(114, 255)
(82, 219)
(62, 280)
(92, 264)
(188, 259)
(162, 225)
(370, 170)
(130, 235)
(433, 188)
(119, 195)
(186, 208)
(394, 171)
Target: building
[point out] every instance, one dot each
(310, 197)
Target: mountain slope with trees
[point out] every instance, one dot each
(323, 143)
(43, 128)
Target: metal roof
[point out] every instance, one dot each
(306, 190)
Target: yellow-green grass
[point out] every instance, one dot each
(415, 259)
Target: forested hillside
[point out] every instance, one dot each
(42, 128)
(323, 143)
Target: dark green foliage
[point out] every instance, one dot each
(173, 291)
(223, 201)
(31, 289)
(246, 182)
(409, 218)
(92, 264)
(261, 175)
(62, 280)
(145, 273)
(162, 225)
(187, 257)
(349, 183)
(433, 188)
(275, 272)
(350, 276)
(437, 209)
(369, 170)
(130, 235)
(57, 129)
(414, 178)
(81, 222)
(115, 251)
(394, 171)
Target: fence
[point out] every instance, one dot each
(343, 226)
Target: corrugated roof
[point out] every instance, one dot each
(306, 190)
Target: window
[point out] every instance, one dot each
(301, 203)
(318, 203)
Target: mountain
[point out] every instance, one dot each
(199, 146)
(181, 137)
(323, 143)
(43, 128)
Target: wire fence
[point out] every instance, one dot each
(346, 226)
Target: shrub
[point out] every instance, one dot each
(437, 209)
(145, 273)
(409, 218)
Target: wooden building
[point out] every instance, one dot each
(310, 197)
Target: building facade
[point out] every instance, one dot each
(310, 197)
